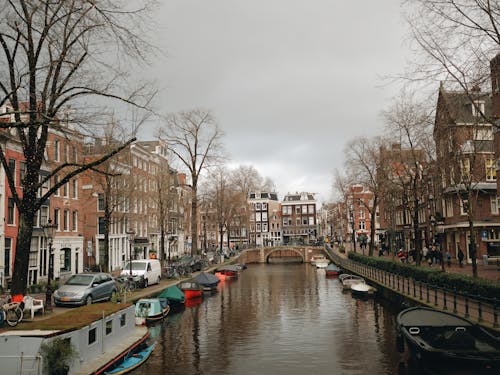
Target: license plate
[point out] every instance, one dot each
(64, 298)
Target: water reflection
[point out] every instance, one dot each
(278, 319)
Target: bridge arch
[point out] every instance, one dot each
(299, 252)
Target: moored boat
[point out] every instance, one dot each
(208, 280)
(191, 289)
(227, 272)
(362, 290)
(174, 296)
(332, 270)
(322, 262)
(443, 342)
(149, 310)
(348, 280)
(131, 361)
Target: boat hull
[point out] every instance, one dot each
(446, 343)
(132, 361)
(190, 294)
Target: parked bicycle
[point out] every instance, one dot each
(128, 284)
(11, 312)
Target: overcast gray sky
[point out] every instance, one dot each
(289, 81)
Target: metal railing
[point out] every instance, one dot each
(474, 307)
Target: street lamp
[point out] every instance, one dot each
(130, 236)
(49, 231)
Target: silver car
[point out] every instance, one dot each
(85, 288)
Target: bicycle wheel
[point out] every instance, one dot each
(13, 316)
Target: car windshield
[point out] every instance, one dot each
(80, 280)
(136, 266)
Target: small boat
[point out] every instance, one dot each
(317, 258)
(322, 262)
(443, 342)
(348, 280)
(332, 270)
(149, 310)
(362, 290)
(174, 295)
(191, 289)
(227, 272)
(208, 280)
(131, 361)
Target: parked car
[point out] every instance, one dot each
(85, 288)
(144, 271)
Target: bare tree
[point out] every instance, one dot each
(55, 54)
(454, 40)
(195, 139)
(363, 161)
(409, 124)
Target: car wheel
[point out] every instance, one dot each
(88, 300)
(146, 283)
(159, 279)
(114, 295)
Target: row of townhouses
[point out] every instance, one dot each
(460, 180)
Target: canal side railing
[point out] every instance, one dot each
(475, 308)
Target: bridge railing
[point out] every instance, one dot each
(474, 307)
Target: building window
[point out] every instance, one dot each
(8, 243)
(465, 169)
(12, 169)
(66, 152)
(491, 173)
(75, 155)
(449, 207)
(92, 336)
(56, 181)
(297, 209)
(362, 225)
(123, 320)
(11, 208)
(304, 220)
(311, 209)
(494, 205)
(74, 189)
(65, 190)
(101, 226)
(57, 218)
(22, 172)
(74, 221)
(65, 259)
(311, 220)
(258, 206)
(100, 202)
(109, 327)
(56, 150)
(66, 220)
(464, 206)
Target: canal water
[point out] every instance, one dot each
(278, 319)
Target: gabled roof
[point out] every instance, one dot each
(459, 105)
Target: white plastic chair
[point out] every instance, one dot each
(33, 305)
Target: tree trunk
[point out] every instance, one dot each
(372, 226)
(472, 247)
(21, 259)
(194, 220)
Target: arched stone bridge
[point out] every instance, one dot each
(292, 253)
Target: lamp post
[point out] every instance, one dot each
(49, 231)
(130, 236)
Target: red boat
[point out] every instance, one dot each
(332, 270)
(191, 289)
(228, 272)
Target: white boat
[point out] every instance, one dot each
(348, 280)
(362, 289)
(322, 263)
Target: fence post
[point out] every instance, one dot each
(427, 286)
(444, 300)
(479, 309)
(414, 289)
(435, 296)
(408, 287)
(420, 290)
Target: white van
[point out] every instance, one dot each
(147, 269)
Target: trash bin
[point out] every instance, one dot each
(485, 260)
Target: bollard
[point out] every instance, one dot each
(466, 306)
(414, 289)
(444, 300)
(435, 296)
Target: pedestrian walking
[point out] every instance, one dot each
(460, 257)
(448, 258)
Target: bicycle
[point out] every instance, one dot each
(11, 312)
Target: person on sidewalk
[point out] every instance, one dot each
(460, 257)
(448, 258)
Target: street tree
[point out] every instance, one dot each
(53, 55)
(409, 125)
(454, 41)
(363, 163)
(194, 138)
